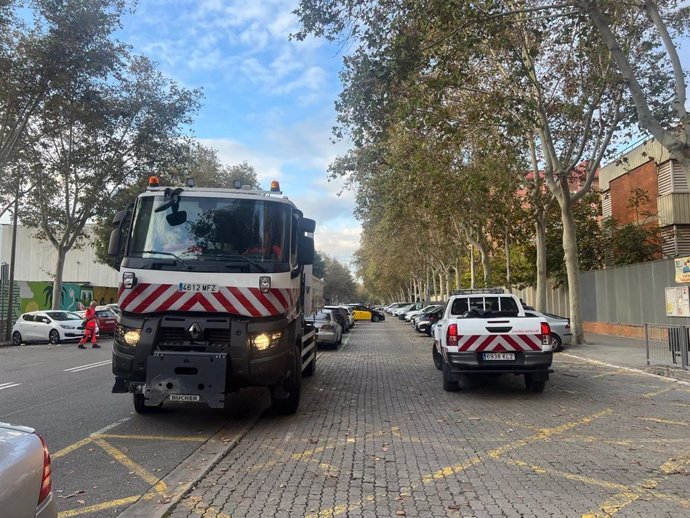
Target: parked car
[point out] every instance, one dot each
(414, 307)
(26, 489)
(424, 323)
(115, 308)
(561, 334)
(328, 330)
(411, 314)
(342, 316)
(362, 312)
(395, 305)
(350, 315)
(47, 326)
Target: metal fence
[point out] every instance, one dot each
(667, 345)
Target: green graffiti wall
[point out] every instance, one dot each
(39, 295)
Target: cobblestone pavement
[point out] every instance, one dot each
(376, 436)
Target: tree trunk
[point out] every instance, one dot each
(486, 264)
(472, 272)
(540, 233)
(457, 274)
(572, 268)
(57, 281)
(509, 280)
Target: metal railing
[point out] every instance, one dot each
(667, 345)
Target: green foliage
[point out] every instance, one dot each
(630, 243)
(319, 266)
(339, 286)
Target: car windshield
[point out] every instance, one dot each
(105, 313)
(211, 234)
(63, 315)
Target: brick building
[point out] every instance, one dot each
(649, 167)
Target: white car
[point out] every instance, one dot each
(47, 326)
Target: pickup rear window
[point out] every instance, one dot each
(484, 307)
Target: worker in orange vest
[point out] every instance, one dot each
(90, 328)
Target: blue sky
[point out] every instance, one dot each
(267, 100)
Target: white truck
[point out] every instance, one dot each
(486, 332)
(214, 286)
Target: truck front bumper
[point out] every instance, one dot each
(524, 362)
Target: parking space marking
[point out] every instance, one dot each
(75, 446)
(139, 470)
(658, 392)
(103, 506)
(341, 509)
(11, 384)
(646, 487)
(88, 366)
(542, 434)
(629, 369)
(664, 421)
(153, 437)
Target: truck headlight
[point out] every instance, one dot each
(127, 335)
(265, 341)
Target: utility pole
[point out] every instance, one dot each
(10, 296)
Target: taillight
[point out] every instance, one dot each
(545, 333)
(46, 481)
(328, 327)
(452, 335)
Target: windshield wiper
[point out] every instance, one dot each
(226, 257)
(178, 258)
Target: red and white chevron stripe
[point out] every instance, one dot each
(499, 343)
(250, 302)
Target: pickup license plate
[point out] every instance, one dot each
(184, 397)
(499, 356)
(197, 287)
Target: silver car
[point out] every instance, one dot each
(26, 489)
(561, 333)
(328, 330)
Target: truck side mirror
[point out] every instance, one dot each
(305, 252)
(115, 242)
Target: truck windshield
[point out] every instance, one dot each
(218, 234)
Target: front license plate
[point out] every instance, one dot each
(197, 287)
(184, 397)
(499, 356)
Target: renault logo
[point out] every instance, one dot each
(195, 330)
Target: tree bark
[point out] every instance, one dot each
(540, 238)
(57, 280)
(509, 280)
(573, 269)
(472, 273)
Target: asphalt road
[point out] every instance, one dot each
(105, 456)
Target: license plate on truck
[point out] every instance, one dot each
(193, 398)
(197, 287)
(499, 356)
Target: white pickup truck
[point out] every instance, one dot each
(487, 332)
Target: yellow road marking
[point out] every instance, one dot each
(71, 448)
(662, 391)
(341, 509)
(542, 434)
(569, 476)
(664, 421)
(123, 459)
(152, 437)
(630, 495)
(99, 507)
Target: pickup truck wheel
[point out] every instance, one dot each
(534, 385)
(556, 343)
(438, 359)
(292, 386)
(140, 405)
(449, 384)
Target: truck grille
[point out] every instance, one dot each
(178, 339)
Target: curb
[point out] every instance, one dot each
(665, 373)
(154, 504)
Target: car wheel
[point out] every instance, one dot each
(16, 338)
(556, 343)
(375, 318)
(54, 337)
(140, 405)
(534, 385)
(449, 384)
(438, 359)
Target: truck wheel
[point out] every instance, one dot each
(375, 318)
(140, 405)
(534, 385)
(449, 384)
(438, 359)
(292, 386)
(311, 368)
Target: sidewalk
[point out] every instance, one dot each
(623, 352)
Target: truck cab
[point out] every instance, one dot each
(212, 295)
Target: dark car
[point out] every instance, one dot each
(362, 312)
(424, 322)
(341, 316)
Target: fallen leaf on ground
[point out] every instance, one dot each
(81, 491)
